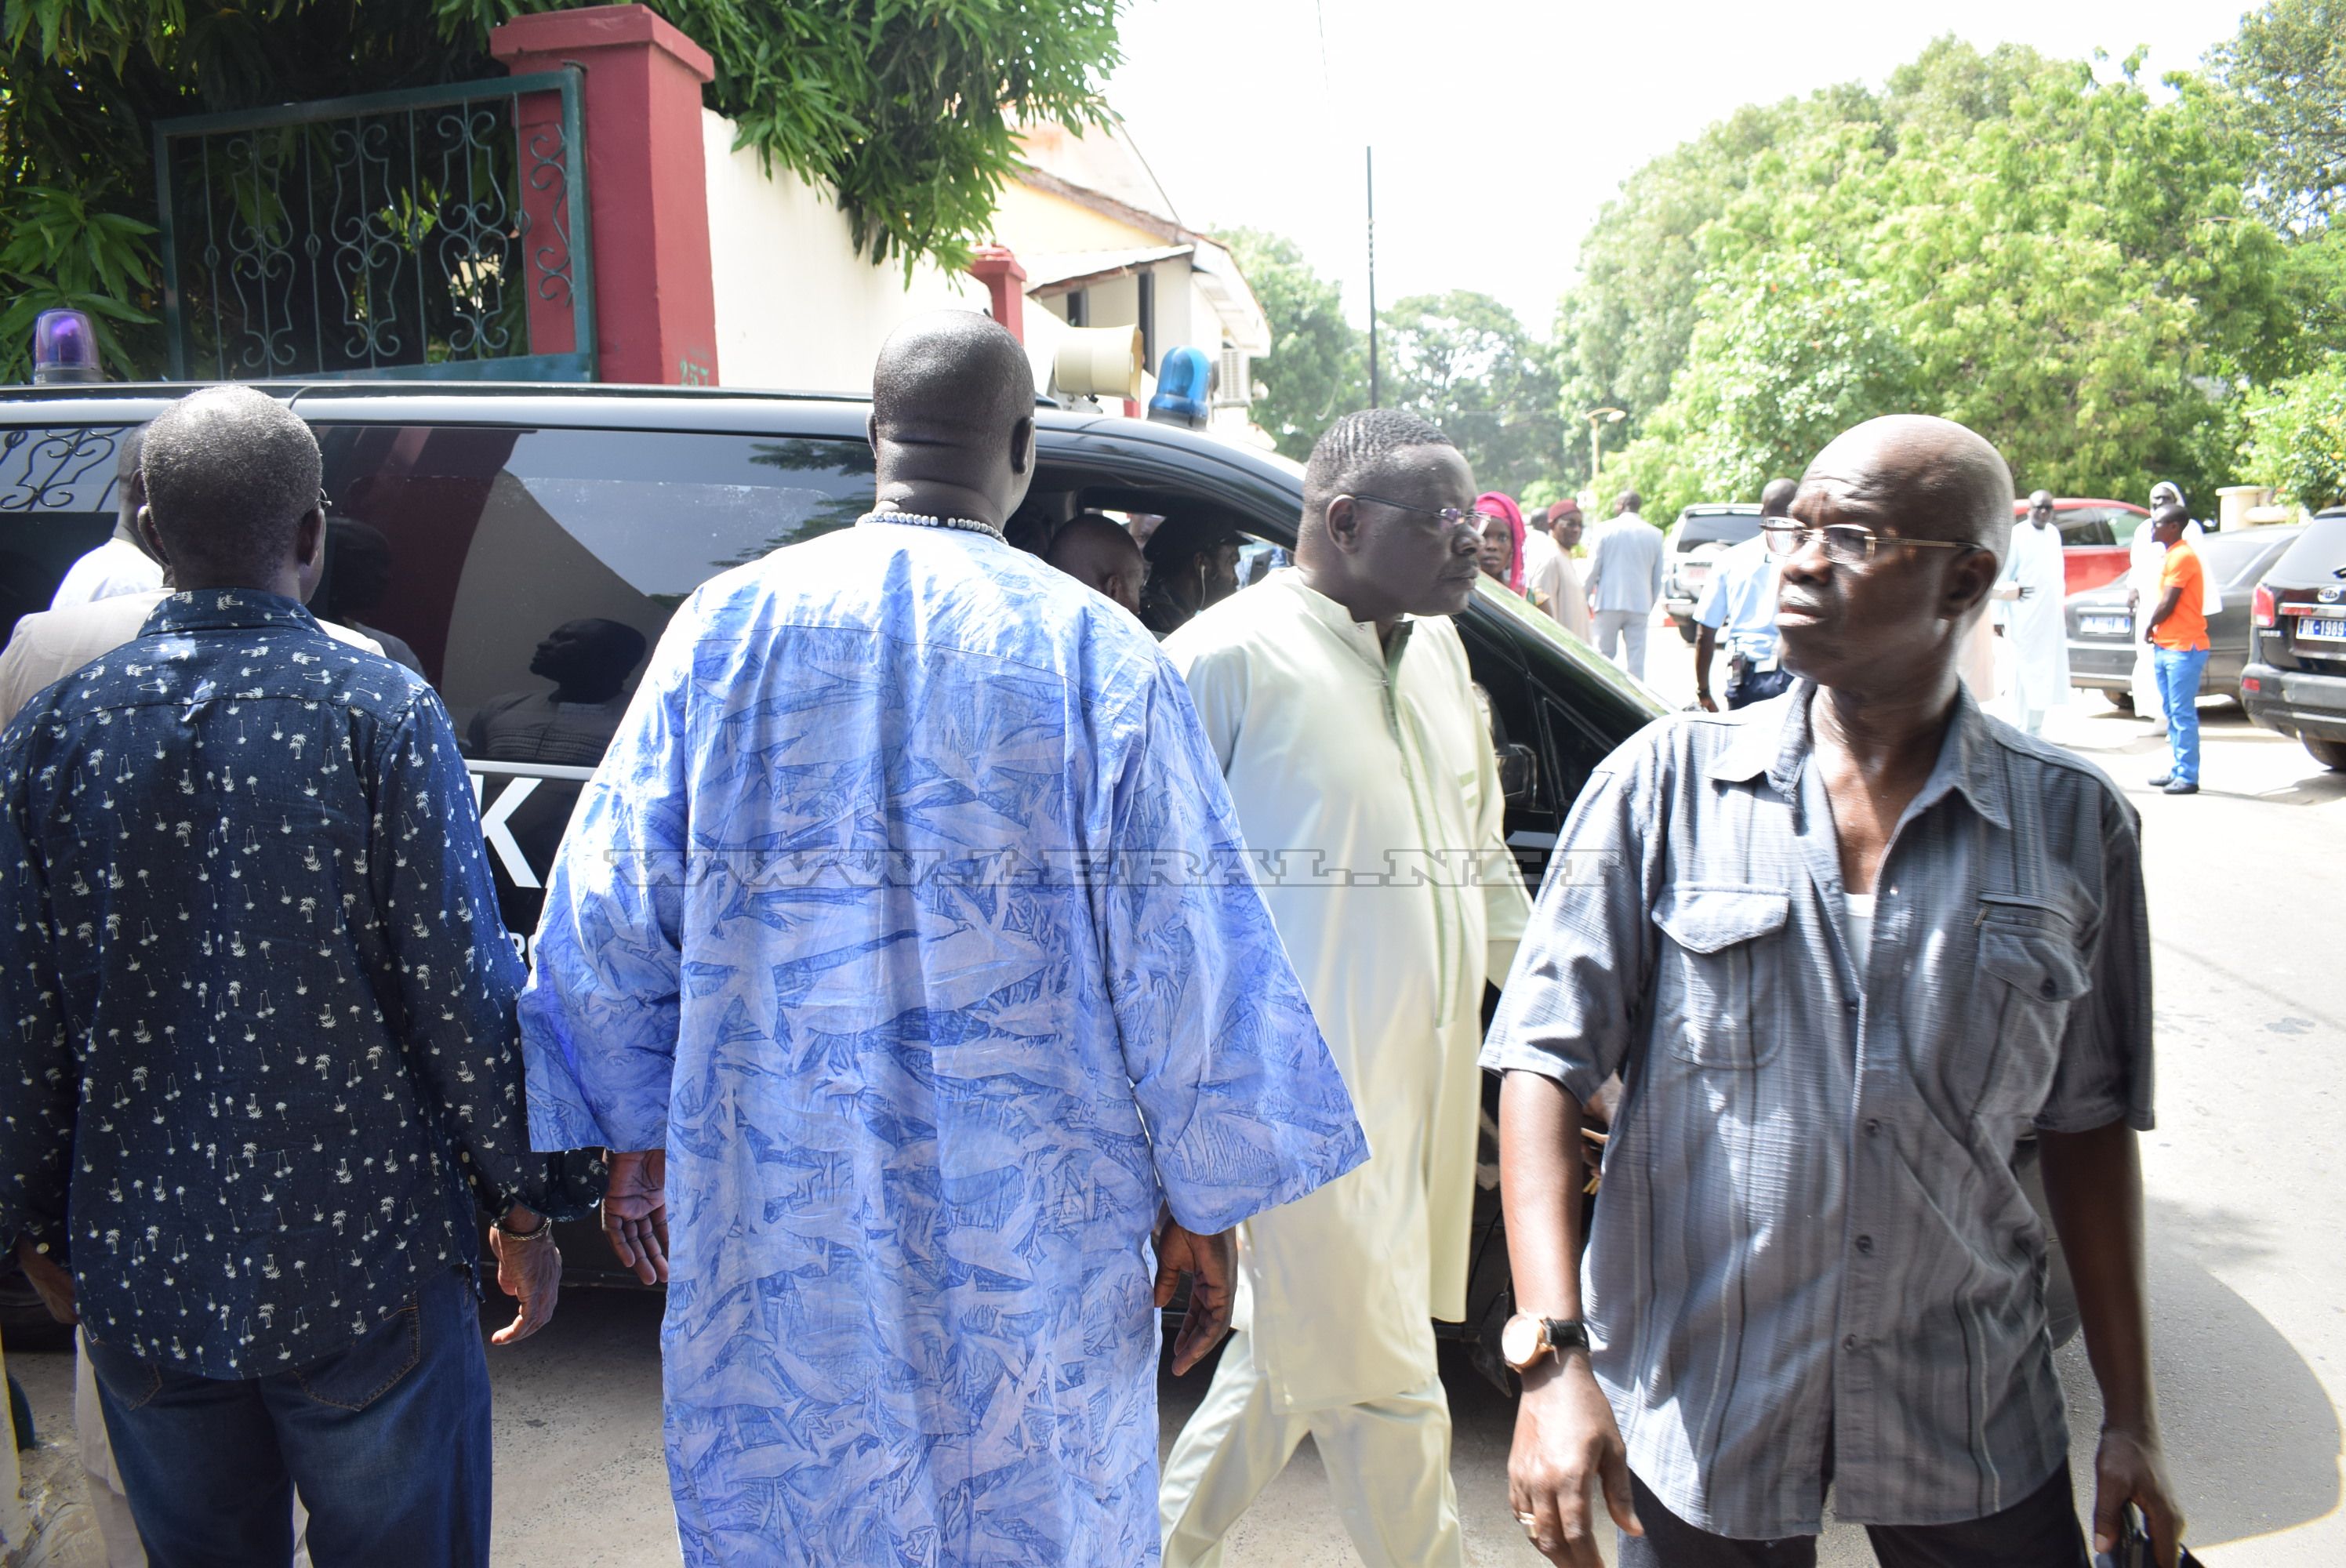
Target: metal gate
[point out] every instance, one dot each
(437, 232)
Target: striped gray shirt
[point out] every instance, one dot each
(1810, 1232)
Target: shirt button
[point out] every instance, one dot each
(1849, 1343)
(1865, 1244)
(2048, 988)
(1872, 1127)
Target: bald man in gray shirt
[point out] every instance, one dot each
(1845, 948)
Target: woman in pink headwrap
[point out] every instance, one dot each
(1503, 539)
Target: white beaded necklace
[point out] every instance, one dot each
(966, 524)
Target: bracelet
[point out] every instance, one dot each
(544, 1231)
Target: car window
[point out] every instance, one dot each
(57, 504)
(527, 573)
(1716, 527)
(2123, 525)
(471, 544)
(2237, 559)
(2319, 554)
(2084, 527)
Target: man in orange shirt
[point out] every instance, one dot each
(2178, 633)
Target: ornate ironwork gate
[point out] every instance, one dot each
(436, 231)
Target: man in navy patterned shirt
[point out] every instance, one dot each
(262, 1066)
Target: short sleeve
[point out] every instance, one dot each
(1571, 1005)
(2180, 569)
(2105, 1072)
(1713, 611)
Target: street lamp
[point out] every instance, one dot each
(1598, 418)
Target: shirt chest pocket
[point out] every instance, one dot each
(2030, 975)
(1720, 990)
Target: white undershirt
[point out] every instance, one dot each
(1860, 909)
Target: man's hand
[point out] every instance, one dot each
(529, 1269)
(634, 1213)
(1565, 1437)
(2131, 1467)
(1211, 1262)
(1709, 704)
(53, 1285)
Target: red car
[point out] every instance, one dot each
(2093, 539)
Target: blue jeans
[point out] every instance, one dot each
(2179, 692)
(388, 1441)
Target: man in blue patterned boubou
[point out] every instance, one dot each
(903, 947)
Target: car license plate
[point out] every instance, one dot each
(2106, 625)
(2322, 627)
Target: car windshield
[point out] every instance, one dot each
(1698, 528)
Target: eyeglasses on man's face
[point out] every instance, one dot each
(1846, 544)
(1449, 517)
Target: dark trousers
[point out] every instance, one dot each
(2039, 1532)
(387, 1439)
(1746, 685)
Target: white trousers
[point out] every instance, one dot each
(2144, 680)
(1614, 628)
(1388, 1463)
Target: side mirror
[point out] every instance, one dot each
(1518, 773)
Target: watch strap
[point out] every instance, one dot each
(1563, 1334)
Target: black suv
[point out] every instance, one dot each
(488, 530)
(2295, 681)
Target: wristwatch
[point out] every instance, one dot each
(1525, 1339)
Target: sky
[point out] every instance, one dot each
(1501, 127)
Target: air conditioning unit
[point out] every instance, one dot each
(1234, 380)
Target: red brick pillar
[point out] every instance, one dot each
(1005, 279)
(647, 183)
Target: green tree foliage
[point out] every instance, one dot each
(1315, 369)
(2067, 265)
(1782, 363)
(1463, 362)
(2286, 78)
(902, 105)
(2297, 436)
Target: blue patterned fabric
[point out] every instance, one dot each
(261, 1004)
(908, 912)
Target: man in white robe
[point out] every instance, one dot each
(1554, 575)
(2028, 607)
(120, 564)
(1336, 697)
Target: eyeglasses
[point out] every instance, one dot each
(1846, 544)
(1451, 517)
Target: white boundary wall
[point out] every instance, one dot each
(797, 307)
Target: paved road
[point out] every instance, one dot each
(2248, 1210)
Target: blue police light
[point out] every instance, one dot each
(64, 348)
(1184, 381)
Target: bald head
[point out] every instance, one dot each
(231, 480)
(1878, 619)
(1776, 501)
(1916, 474)
(1099, 553)
(951, 371)
(953, 418)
